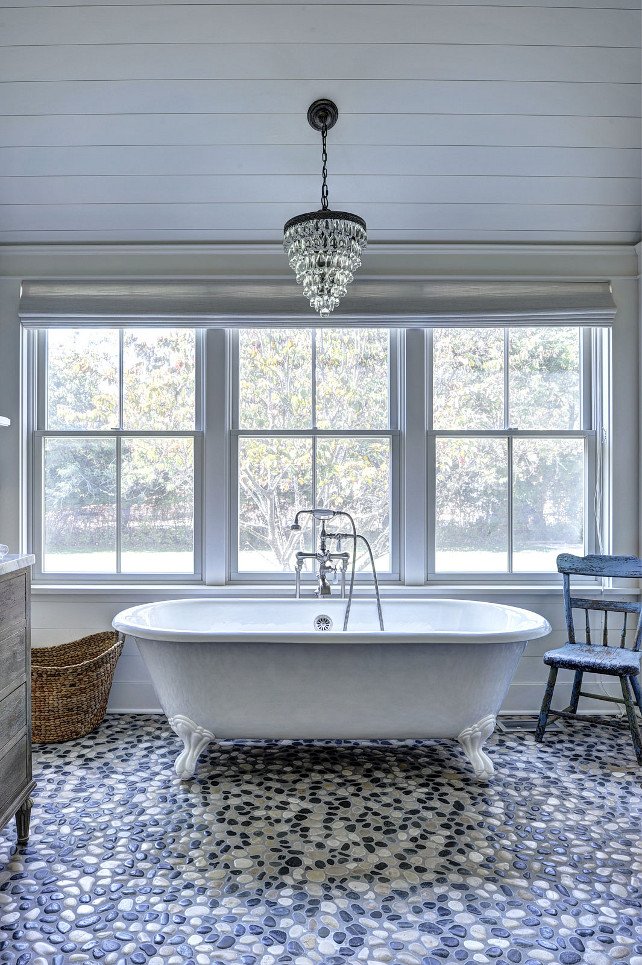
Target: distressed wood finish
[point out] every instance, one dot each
(587, 656)
(16, 782)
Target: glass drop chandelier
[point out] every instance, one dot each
(324, 247)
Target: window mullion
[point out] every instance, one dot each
(509, 482)
(414, 514)
(119, 467)
(220, 507)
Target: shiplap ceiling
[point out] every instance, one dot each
(459, 121)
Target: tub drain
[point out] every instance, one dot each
(322, 622)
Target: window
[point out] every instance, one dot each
(459, 451)
(115, 452)
(313, 419)
(512, 447)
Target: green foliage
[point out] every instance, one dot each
(296, 379)
(156, 494)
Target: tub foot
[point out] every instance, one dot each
(472, 739)
(195, 738)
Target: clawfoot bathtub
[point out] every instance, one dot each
(226, 668)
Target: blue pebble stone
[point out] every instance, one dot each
(570, 958)
(225, 942)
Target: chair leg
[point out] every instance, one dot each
(546, 705)
(575, 693)
(635, 683)
(630, 713)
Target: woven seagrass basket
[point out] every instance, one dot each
(70, 686)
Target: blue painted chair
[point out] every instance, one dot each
(587, 657)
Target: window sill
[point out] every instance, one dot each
(140, 592)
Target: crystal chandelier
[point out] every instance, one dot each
(324, 247)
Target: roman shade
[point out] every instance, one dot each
(274, 302)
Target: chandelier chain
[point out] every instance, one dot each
(324, 168)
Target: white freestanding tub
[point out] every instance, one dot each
(256, 668)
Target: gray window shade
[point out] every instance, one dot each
(401, 303)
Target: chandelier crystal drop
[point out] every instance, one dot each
(324, 247)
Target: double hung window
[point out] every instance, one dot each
(502, 463)
(116, 453)
(512, 447)
(315, 420)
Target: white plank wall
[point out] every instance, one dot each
(459, 121)
(133, 691)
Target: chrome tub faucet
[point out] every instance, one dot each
(333, 563)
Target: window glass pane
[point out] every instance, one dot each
(544, 378)
(158, 379)
(82, 378)
(468, 378)
(354, 475)
(275, 379)
(157, 506)
(80, 506)
(548, 505)
(352, 378)
(275, 480)
(471, 505)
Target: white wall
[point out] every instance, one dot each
(61, 614)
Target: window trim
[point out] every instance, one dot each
(412, 508)
(594, 411)
(37, 367)
(393, 433)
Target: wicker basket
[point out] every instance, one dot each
(70, 686)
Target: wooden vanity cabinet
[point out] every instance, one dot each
(16, 782)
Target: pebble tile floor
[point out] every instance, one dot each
(305, 852)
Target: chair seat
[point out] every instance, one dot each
(595, 659)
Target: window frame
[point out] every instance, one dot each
(236, 433)
(38, 431)
(593, 420)
(412, 515)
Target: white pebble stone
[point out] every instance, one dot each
(406, 959)
(473, 946)
(477, 931)
(406, 935)
(79, 937)
(32, 913)
(111, 958)
(326, 947)
(129, 948)
(43, 948)
(125, 904)
(86, 883)
(382, 955)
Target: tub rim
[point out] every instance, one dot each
(123, 622)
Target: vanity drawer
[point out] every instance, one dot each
(15, 771)
(13, 603)
(13, 660)
(13, 714)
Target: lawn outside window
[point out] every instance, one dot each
(174, 454)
